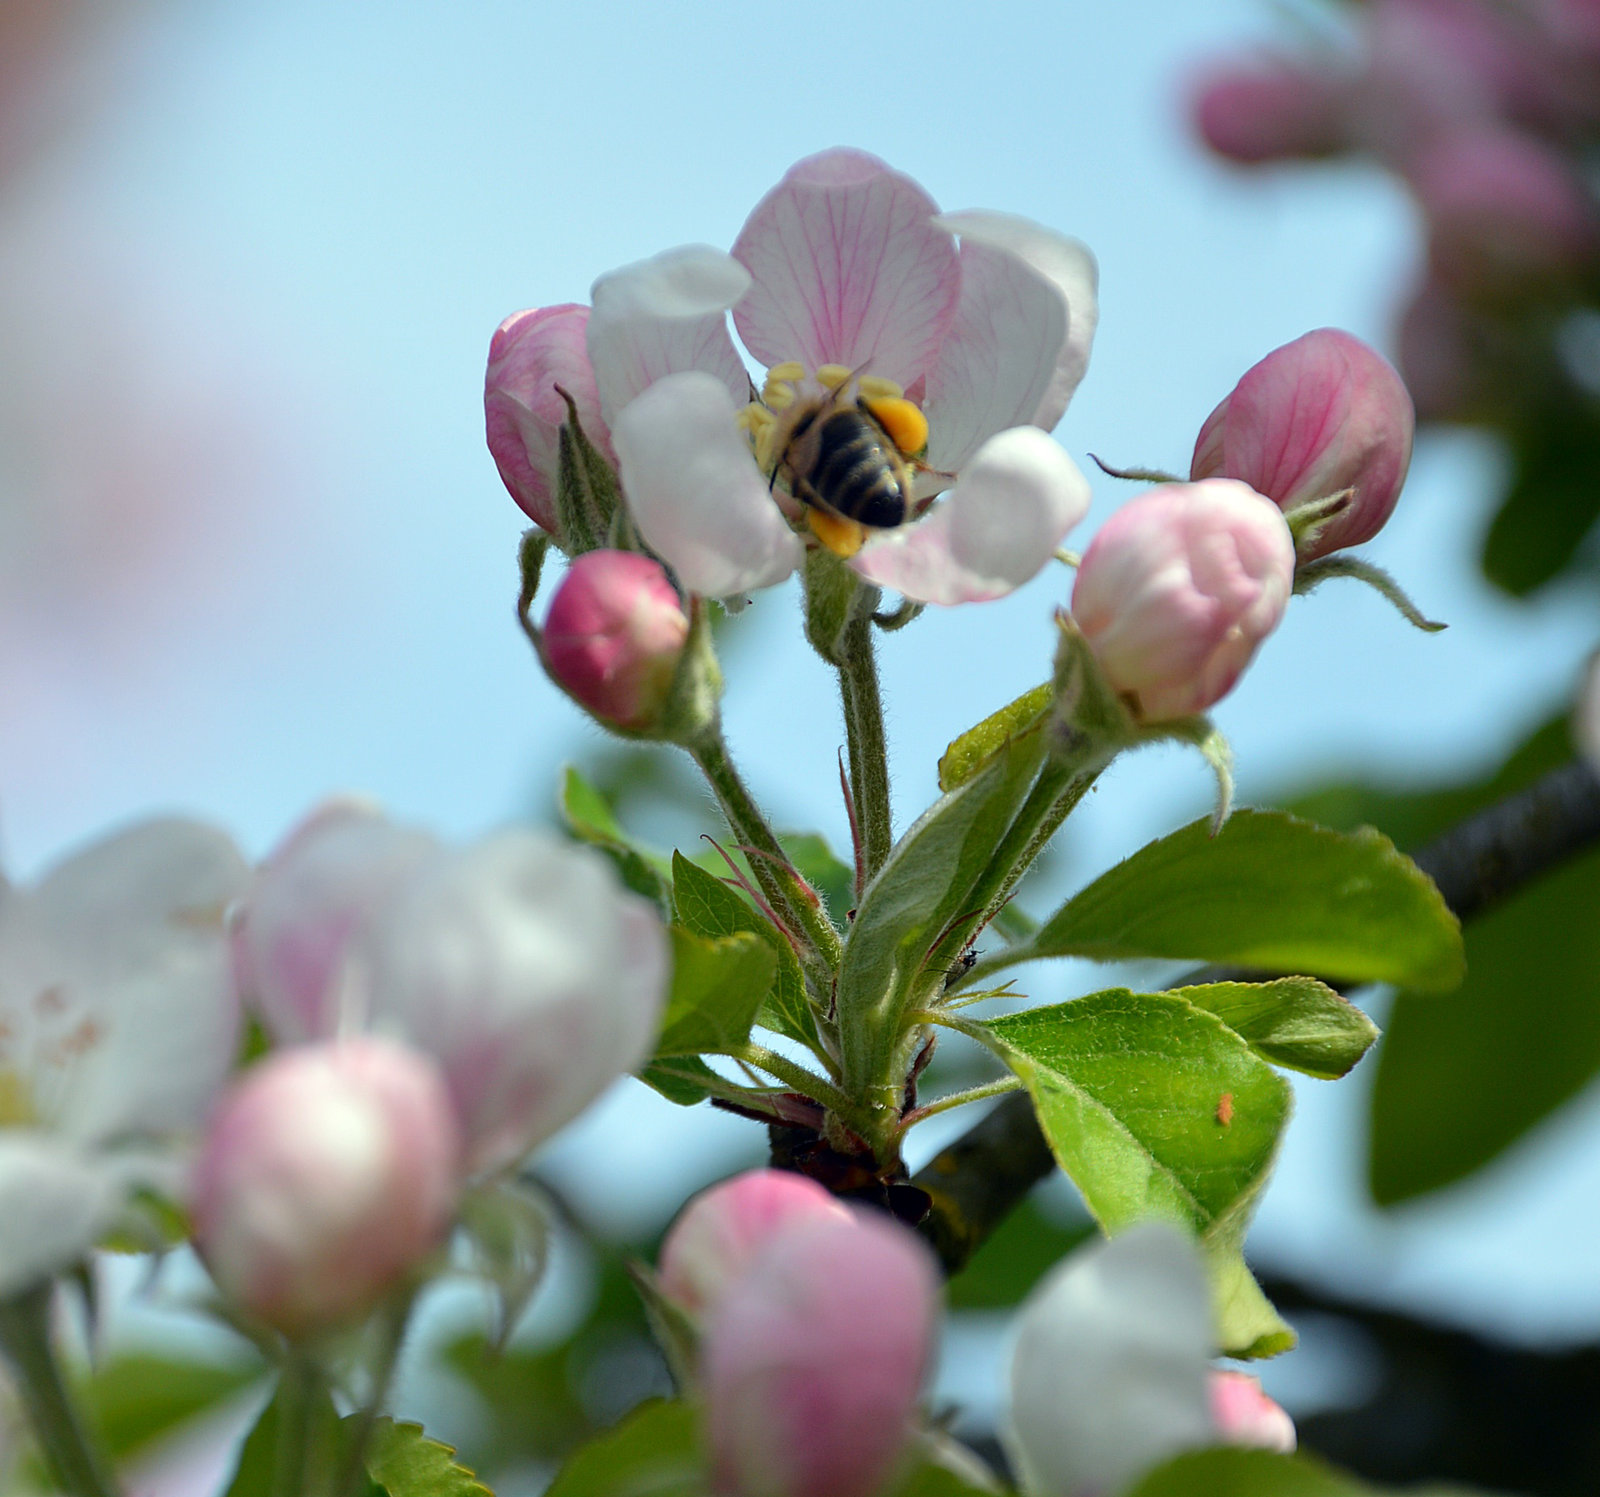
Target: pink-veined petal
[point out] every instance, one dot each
(849, 267)
(995, 366)
(663, 316)
(1003, 521)
(695, 492)
(1070, 268)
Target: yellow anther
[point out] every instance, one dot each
(876, 387)
(906, 425)
(778, 395)
(831, 376)
(792, 370)
(16, 1103)
(841, 536)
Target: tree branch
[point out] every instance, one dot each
(977, 1181)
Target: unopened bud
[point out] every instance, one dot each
(536, 355)
(1178, 589)
(723, 1230)
(1272, 109)
(813, 1360)
(1316, 418)
(1244, 1415)
(614, 636)
(328, 1173)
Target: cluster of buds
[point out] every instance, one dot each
(445, 1010)
(1486, 112)
(815, 1321)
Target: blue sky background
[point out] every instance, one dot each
(317, 214)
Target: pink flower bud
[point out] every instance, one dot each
(1178, 589)
(1317, 416)
(722, 1231)
(1244, 1415)
(531, 354)
(1502, 207)
(1272, 109)
(308, 908)
(813, 1360)
(328, 1172)
(614, 636)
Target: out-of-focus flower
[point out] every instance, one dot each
(853, 290)
(1244, 1415)
(535, 356)
(1320, 415)
(1272, 108)
(722, 1231)
(614, 635)
(813, 1359)
(118, 1022)
(329, 1172)
(1586, 717)
(518, 963)
(1111, 1372)
(1177, 590)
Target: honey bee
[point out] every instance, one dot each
(851, 460)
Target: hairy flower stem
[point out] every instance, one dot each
(298, 1384)
(866, 742)
(775, 875)
(804, 1081)
(25, 1340)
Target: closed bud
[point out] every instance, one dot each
(1178, 589)
(1272, 109)
(722, 1231)
(813, 1360)
(328, 1173)
(1244, 1415)
(534, 353)
(1320, 417)
(614, 637)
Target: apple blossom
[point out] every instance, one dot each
(534, 356)
(847, 283)
(1272, 108)
(117, 1024)
(518, 963)
(813, 1359)
(329, 1172)
(1318, 416)
(1177, 590)
(720, 1233)
(614, 635)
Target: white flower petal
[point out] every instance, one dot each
(1001, 523)
(849, 268)
(1064, 263)
(663, 316)
(531, 977)
(55, 1202)
(695, 492)
(115, 981)
(1110, 1371)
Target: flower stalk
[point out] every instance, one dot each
(866, 743)
(26, 1342)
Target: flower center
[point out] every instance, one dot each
(845, 446)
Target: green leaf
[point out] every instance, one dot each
(1296, 1022)
(1230, 1472)
(1155, 1108)
(507, 1224)
(718, 984)
(1271, 892)
(927, 884)
(654, 1452)
(133, 1398)
(968, 753)
(686, 1080)
(590, 819)
(1459, 1083)
(404, 1462)
(815, 862)
(1553, 500)
(1248, 1324)
(708, 907)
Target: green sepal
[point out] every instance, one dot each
(1091, 717)
(718, 984)
(967, 754)
(835, 598)
(1314, 573)
(506, 1224)
(531, 552)
(1137, 475)
(1203, 734)
(588, 496)
(1296, 1022)
(1271, 892)
(670, 1324)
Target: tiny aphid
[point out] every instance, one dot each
(1225, 1109)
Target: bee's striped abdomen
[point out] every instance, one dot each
(858, 472)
